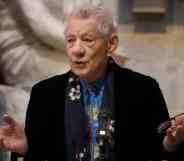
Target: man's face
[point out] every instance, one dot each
(86, 48)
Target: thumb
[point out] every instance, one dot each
(171, 135)
(9, 120)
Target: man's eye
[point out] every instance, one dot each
(88, 40)
(70, 40)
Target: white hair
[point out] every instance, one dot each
(107, 22)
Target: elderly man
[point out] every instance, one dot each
(97, 110)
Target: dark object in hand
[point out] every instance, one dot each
(162, 128)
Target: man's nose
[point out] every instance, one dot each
(78, 48)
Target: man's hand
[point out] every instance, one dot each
(12, 136)
(175, 134)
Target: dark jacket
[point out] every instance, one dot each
(139, 109)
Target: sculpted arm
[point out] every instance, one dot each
(46, 26)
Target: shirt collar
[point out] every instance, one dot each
(92, 88)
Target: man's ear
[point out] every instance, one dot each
(112, 43)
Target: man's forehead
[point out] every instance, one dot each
(82, 25)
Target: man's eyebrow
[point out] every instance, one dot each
(90, 33)
(70, 35)
(82, 34)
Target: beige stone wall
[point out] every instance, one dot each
(160, 55)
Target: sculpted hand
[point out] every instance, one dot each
(175, 134)
(12, 136)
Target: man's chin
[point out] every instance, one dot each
(82, 74)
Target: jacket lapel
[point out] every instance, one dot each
(120, 97)
(121, 104)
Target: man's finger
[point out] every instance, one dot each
(171, 132)
(179, 120)
(180, 133)
(1, 143)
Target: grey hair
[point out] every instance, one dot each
(107, 22)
